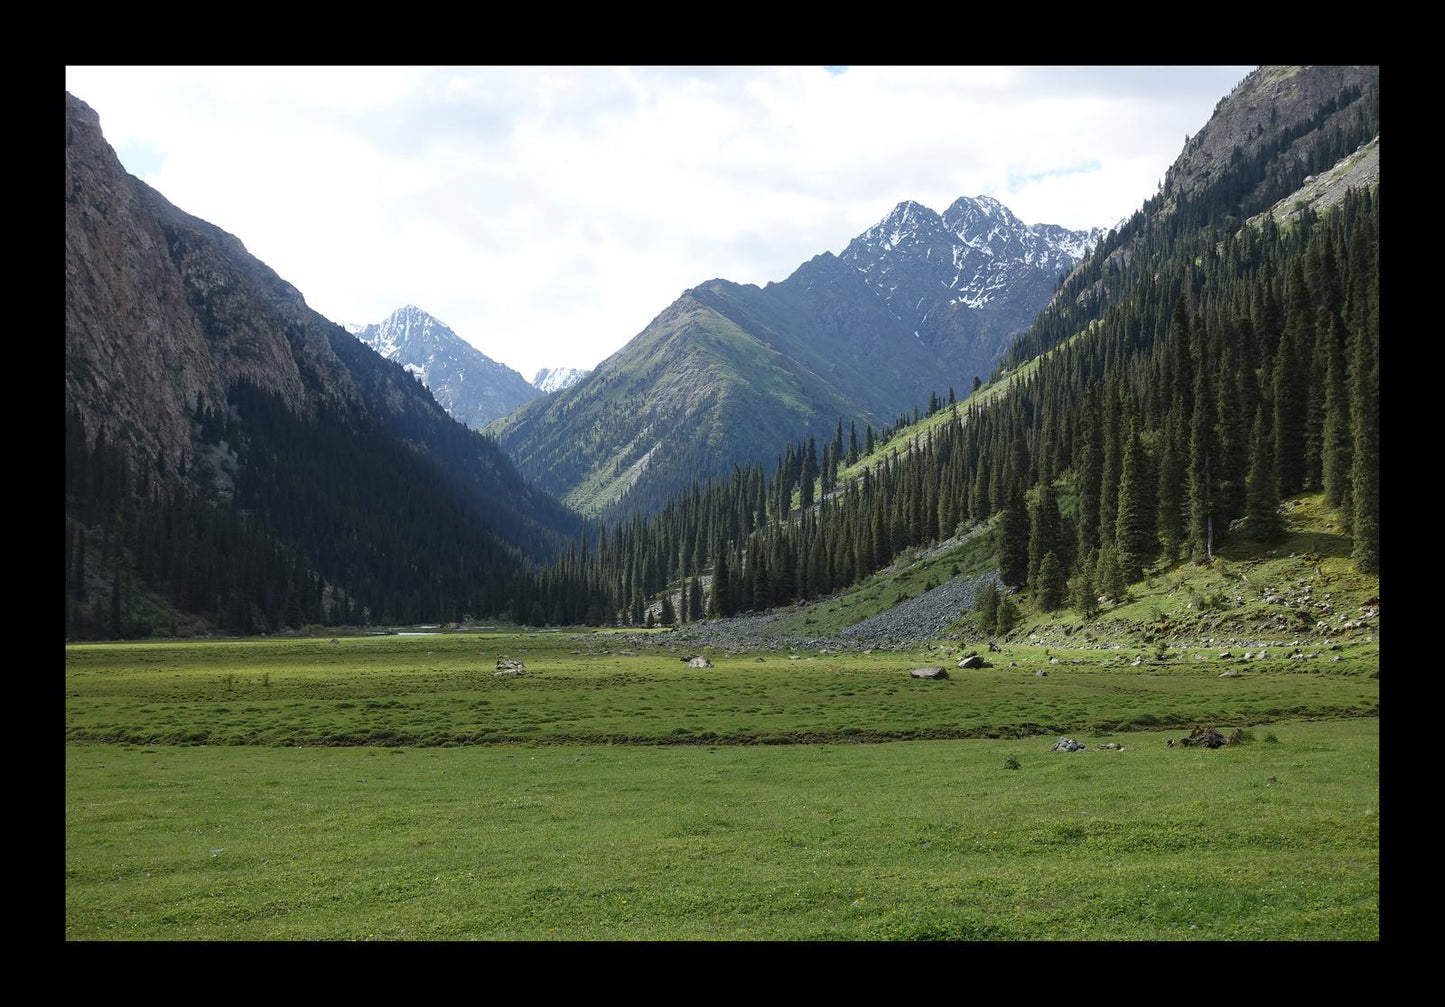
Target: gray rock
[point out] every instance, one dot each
(699, 662)
(934, 672)
(512, 673)
(1067, 745)
(974, 662)
(1231, 673)
(1110, 746)
(1041, 674)
(509, 664)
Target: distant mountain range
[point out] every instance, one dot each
(472, 387)
(920, 302)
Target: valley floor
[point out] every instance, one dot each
(398, 788)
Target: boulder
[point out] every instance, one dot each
(934, 672)
(1110, 746)
(1203, 737)
(512, 673)
(1041, 674)
(1231, 673)
(974, 662)
(699, 662)
(510, 664)
(1067, 745)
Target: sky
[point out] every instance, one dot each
(548, 214)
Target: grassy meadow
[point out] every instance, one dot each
(395, 788)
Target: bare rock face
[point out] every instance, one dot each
(1270, 99)
(162, 308)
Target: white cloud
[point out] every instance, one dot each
(548, 214)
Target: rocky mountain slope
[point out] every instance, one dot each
(472, 387)
(1277, 127)
(919, 303)
(196, 378)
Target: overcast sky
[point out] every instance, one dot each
(547, 215)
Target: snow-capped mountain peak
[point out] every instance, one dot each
(977, 256)
(468, 384)
(554, 379)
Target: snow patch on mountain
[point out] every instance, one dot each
(554, 379)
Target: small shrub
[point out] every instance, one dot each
(1012, 762)
(1271, 738)
(266, 680)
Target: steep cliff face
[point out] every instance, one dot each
(162, 307)
(309, 445)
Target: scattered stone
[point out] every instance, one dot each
(1110, 746)
(1041, 674)
(1231, 673)
(512, 673)
(1136, 662)
(510, 664)
(1053, 660)
(994, 648)
(1248, 655)
(1225, 656)
(1067, 745)
(974, 662)
(627, 653)
(1261, 655)
(934, 672)
(699, 662)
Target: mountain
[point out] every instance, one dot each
(1199, 405)
(554, 379)
(1279, 126)
(918, 304)
(472, 387)
(233, 455)
(966, 281)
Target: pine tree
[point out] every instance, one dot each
(1338, 446)
(1135, 541)
(1013, 542)
(987, 606)
(669, 614)
(1202, 488)
(1365, 526)
(1045, 531)
(1109, 578)
(1083, 592)
(1008, 615)
(1170, 492)
(1051, 583)
(1262, 505)
(694, 600)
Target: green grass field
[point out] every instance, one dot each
(301, 789)
(914, 840)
